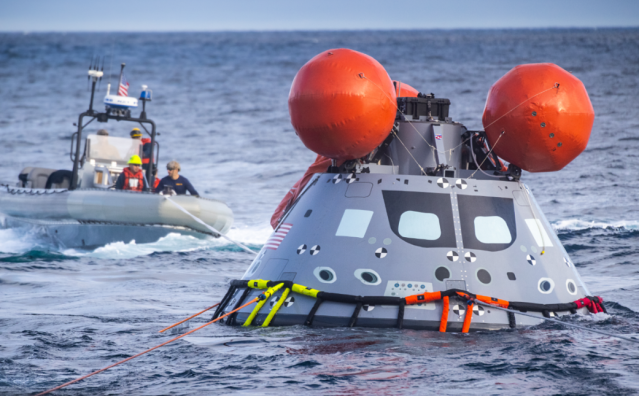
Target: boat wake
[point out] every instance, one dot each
(16, 243)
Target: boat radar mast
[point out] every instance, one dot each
(120, 104)
(117, 107)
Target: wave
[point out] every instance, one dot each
(174, 242)
(580, 225)
(16, 243)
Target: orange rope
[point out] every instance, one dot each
(148, 350)
(189, 318)
(468, 317)
(444, 322)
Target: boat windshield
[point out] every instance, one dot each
(108, 148)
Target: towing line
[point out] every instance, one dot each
(263, 295)
(594, 305)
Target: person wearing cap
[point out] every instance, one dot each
(179, 184)
(132, 178)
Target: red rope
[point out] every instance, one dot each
(147, 351)
(189, 318)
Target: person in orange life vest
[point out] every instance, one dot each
(146, 147)
(132, 178)
(179, 184)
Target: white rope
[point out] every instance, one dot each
(472, 151)
(408, 151)
(433, 148)
(631, 339)
(208, 226)
(511, 110)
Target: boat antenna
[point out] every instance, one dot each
(102, 70)
(90, 68)
(110, 69)
(95, 75)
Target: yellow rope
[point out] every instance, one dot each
(267, 295)
(276, 308)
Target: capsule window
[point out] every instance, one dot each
(571, 286)
(484, 276)
(539, 232)
(325, 274)
(546, 285)
(255, 265)
(418, 225)
(487, 223)
(354, 223)
(492, 230)
(442, 273)
(368, 276)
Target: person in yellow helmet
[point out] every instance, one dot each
(132, 178)
(136, 134)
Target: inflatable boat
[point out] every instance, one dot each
(82, 208)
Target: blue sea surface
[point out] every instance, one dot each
(220, 103)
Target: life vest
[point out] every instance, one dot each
(133, 181)
(146, 150)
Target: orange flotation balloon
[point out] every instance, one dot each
(342, 104)
(544, 113)
(404, 90)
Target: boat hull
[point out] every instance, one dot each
(94, 217)
(90, 235)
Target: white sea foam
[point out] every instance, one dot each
(16, 241)
(249, 235)
(175, 242)
(578, 225)
(121, 250)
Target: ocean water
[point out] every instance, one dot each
(220, 102)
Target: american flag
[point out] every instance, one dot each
(124, 87)
(274, 241)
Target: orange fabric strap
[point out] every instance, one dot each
(444, 321)
(493, 301)
(468, 318)
(423, 298)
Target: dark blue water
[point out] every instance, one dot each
(220, 100)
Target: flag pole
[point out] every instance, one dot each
(121, 74)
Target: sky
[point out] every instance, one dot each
(242, 15)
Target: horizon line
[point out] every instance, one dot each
(322, 30)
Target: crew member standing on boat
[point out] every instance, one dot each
(136, 134)
(132, 178)
(179, 184)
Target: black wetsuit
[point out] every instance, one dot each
(181, 185)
